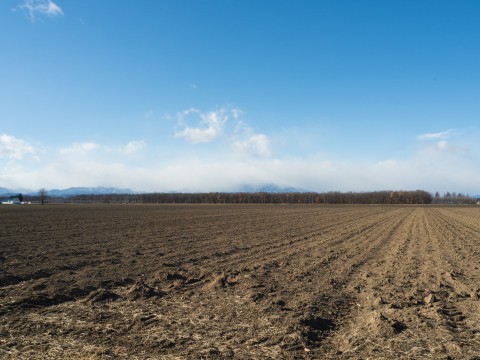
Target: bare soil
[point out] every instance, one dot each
(244, 282)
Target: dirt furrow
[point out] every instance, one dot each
(368, 285)
(244, 282)
(405, 302)
(309, 244)
(257, 239)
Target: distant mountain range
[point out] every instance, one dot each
(102, 190)
(98, 190)
(268, 188)
(72, 191)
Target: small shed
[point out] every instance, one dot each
(13, 201)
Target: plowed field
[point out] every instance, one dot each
(162, 282)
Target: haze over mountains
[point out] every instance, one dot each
(72, 191)
(103, 190)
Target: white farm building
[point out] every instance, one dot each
(13, 201)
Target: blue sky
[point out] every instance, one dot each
(209, 95)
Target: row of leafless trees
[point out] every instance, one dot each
(374, 197)
(453, 198)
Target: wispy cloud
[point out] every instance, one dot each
(442, 143)
(436, 136)
(207, 125)
(443, 148)
(133, 147)
(14, 148)
(245, 141)
(236, 113)
(197, 126)
(256, 145)
(35, 8)
(79, 149)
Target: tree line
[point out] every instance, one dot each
(332, 197)
(453, 198)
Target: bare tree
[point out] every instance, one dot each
(42, 193)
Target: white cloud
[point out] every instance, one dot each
(437, 165)
(133, 147)
(442, 145)
(197, 126)
(14, 148)
(442, 148)
(245, 141)
(256, 145)
(79, 148)
(208, 127)
(34, 8)
(226, 173)
(436, 136)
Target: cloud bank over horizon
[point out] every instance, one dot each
(438, 163)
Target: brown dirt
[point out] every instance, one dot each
(162, 282)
